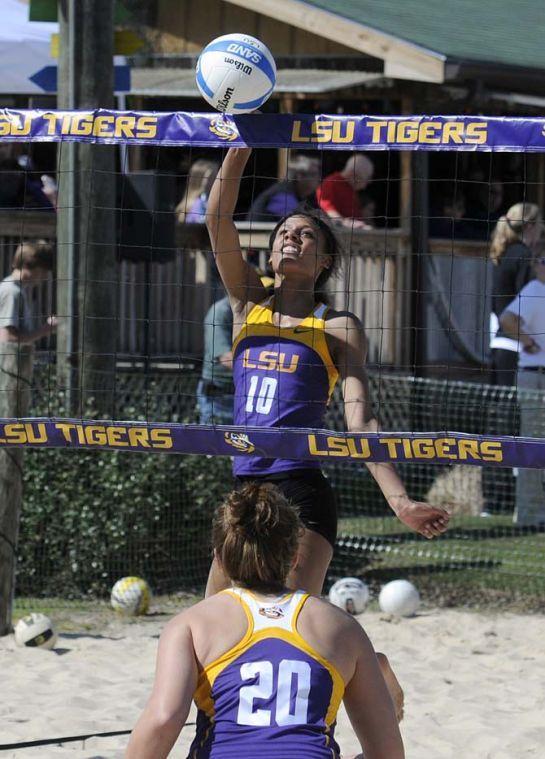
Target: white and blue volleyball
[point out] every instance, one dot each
(236, 73)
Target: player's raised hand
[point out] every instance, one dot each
(429, 521)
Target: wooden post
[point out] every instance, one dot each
(404, 265)
(405, 185)
(287, 105)
(87, 279)
(420, 240)
(15, 380)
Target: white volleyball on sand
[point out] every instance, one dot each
(35, 631)
(131, 596)
(350, 594)
(399, 597)
(236, 73)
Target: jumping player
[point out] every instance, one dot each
(289, 351)
(267, 667)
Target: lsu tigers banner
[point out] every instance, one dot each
(307, 444)
(275, 130)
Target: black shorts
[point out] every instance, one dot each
(309, 490)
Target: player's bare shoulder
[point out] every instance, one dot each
(321, 615)
(341, 321)
(220, 605)
(343, 328)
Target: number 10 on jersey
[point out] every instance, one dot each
(260, 400)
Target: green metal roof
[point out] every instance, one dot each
(510, 32)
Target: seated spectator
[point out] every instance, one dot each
(21, 187)
(286, 196)
(338, 194)
(31, 264)
(448, 220)
(369, 210)
(484, 208)
(192, 207)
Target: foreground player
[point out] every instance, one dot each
(268, 668)
(289, 351)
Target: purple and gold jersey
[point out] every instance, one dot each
(271, 695)
(283, 377)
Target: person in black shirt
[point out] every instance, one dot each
(515, 235)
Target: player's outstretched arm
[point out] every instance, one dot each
(347, 338)
(240, 279)
(175, 681)
(369, 705)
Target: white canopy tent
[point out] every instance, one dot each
(24, 49)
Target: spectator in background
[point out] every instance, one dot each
(448, 219)
(523, 321)
(21, 187)
(215, 389)
(368, 210)
(284, 197)
(485, 200)
(338, 195)
(31, 264)
(192, 207)
(513, 239)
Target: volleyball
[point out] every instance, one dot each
(236, 73)
(399, 597)
(35, 631)
(350, 594)
(131, 596)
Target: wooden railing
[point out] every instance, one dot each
(162, 305)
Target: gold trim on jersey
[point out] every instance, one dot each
(205, 683)
(309, 332)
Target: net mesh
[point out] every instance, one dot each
(418, 275)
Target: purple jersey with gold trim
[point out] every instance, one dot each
(271, 695)
(283, 377)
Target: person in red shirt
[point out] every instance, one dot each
(338, 193)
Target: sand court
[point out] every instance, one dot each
(474, 686)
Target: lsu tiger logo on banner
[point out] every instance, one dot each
(223, 129)
(240, 441)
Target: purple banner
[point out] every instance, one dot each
(323, 132)
(304, 444)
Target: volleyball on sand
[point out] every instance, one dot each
(399, 597)
(236, 73)
(350, 594)
(35, 631)
(131, 596)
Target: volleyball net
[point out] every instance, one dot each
(133, 365)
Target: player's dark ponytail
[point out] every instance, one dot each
(255, 536)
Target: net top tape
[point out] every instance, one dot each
(300, 131)
(301, 444)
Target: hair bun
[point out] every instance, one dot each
(255, 536)
(252, 511)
